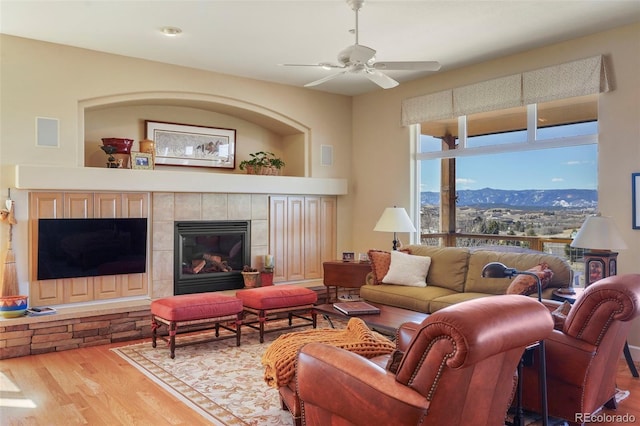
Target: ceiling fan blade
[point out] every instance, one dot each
(324, 65)
(408, 66)
(325, 79)
(381, 79)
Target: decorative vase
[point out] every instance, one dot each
(13, 306)
(123, 146)
(147, 145)
(250, 279)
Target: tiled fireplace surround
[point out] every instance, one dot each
(169, 207)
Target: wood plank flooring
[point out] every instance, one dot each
(94, 386)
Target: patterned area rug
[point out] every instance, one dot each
(225, 383)
(221, 381)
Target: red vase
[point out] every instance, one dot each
(122, 145)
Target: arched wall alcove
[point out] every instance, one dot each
(257, 128)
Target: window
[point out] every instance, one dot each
(525, 171)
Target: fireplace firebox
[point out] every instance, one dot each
(209, 255)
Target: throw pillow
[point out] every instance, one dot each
(526, 284)
(406, 269)
(560, 315)
(380, 261)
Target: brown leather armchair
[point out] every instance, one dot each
(458, 369)
(582, 358)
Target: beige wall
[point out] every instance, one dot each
(380, 143)
(49, 80)
(371, 148)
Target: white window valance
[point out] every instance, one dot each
(576, 78)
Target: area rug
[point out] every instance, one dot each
(225, 383)
(221, 381)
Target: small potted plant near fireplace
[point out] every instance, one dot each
(262, 163)
(250, 276)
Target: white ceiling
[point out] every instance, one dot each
(251, 38)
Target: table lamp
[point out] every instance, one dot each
(599, 235)
(394, 219)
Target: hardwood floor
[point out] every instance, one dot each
(94, 386)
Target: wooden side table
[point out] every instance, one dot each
(344, 274)
(561, 297)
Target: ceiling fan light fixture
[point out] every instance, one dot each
(171, 31)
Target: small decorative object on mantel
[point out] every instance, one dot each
(250, 276)
(263, 163)
(121, 154)
(112, 163)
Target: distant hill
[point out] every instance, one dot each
(530, 198)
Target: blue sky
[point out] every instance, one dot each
(572, 167)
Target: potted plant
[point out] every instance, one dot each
(250, 276)
(262, 163)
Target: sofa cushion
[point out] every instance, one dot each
(452, 299)
(406, 269)
(448, 265)
(380, 261)
(527, 284)
(412, 298)
(521, 261)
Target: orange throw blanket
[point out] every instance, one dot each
(280, 357)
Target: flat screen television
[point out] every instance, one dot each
(70, 248)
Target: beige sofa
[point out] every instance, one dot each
(455, 276)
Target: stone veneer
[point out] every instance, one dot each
(74, 328)
(169, 207)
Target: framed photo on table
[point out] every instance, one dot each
(187, 145)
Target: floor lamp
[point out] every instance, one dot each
(394, 219)
(499, 270)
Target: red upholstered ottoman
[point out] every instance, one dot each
(198, 312)
(267, 302)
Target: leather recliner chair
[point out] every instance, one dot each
(457, 369)
(582, 358)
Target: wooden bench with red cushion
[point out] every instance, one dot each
(196, 311)
(267, 302)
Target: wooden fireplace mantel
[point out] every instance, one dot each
(40, 177)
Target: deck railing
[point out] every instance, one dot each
(557, 246)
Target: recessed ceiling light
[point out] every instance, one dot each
(171, 31)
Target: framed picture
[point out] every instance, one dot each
(141, 160)
(635, 195)
(187, 145)
(348, 256)
(595, 270)
(363, 257)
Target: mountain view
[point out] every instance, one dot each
(534, 199)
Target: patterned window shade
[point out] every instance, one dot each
(576, 78)
(500, 93)
(435, 106)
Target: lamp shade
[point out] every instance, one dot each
(599, 233)
(394, 219)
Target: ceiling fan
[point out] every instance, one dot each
(359, 59)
